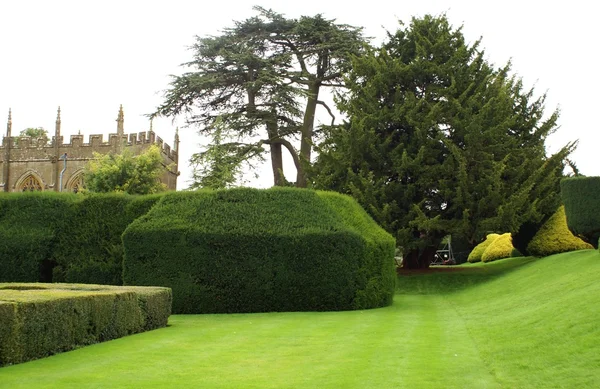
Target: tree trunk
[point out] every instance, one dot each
(276, 155)
(277, 164)
(307, 132)
(419, 259)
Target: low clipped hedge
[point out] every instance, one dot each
(581, 197)
(554, 237)
(477, 252)
(251, 250)
(500, 248)
(37, 320)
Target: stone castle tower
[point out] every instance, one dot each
(34, 164)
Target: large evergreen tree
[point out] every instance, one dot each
(261, 81)
(438, 141)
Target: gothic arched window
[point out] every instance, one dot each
(75, 184)
(30, 184)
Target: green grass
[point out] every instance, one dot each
(518, 323)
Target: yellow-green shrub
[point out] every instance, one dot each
(555, 237)
(500, 248)
(475, 255)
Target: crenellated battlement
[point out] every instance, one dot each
(25, 151)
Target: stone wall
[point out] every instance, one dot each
(32, 164)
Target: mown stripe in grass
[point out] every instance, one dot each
(410, 343)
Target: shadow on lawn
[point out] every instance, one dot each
(446, 279)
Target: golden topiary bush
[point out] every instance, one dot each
(501, 248)
(555, 237)
(475, 255)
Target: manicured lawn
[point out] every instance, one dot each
(518, 323)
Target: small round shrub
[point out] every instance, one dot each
(500, 248)
(475, 255)
(555, 237)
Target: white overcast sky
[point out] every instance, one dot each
(91, 56)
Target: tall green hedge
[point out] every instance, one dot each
(91, 250)
(30, 225)
(37, 320)
(581, 197)
(250, 250)
(62, 237)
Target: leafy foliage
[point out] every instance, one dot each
(91, 251)
(249, 84)
(62, 237)
(37, 133)
(500, 248)
(554, 237)
(582, 207)
(439, 142)
(477, 252)
(249, 250)
(29, 227)
(126, 172)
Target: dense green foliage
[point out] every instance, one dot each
(500, 248)
(126, 172)
(440, 142)
(477, 252)
(91, 250)
(37, 320)
(582, 206)
(36, 133)
(63, 237)
(555, 237)
(30, 226)
(246, 89)
(249, 250)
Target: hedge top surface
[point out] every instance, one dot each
(37, 292)
(248, 211)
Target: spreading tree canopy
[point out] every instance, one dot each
(260, 80)
(440, 142)
(125, 172)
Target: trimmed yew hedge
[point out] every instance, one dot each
(581, 197)
(37, 320)
(91, 250)
(30, 225)
(251, 250)
(62, 237)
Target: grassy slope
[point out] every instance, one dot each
(519, 323)
(538, 327)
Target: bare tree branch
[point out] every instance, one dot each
(288, 146)
(328, 110)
